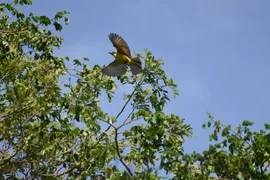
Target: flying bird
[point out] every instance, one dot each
(123, 58)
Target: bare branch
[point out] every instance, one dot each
(6, 31)
(125, 121)
(119, 153)
(7, 159)
(3, 77)
(108, 123)
(125, 105)
(58, 175)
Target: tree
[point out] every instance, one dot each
(40, 136)
(56, 130)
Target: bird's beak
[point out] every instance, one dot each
(112, 53)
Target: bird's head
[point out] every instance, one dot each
(112, 53)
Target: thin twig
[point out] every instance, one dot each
(72, 74)
(108, 123)
(125, 121)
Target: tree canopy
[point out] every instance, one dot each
(58, 129)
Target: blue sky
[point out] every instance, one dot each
(216, 51)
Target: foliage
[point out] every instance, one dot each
(238, 154)
(52, 129)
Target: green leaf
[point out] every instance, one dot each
(59, 15)
(77, 62)
(66, 21)
(44, 20)
(226, 131)
(58, 26)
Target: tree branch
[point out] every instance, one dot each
(108, 123)
(125, 121)
(119, 153)
(117, 146)
(125, 105)
(7, 159)
(58, 175)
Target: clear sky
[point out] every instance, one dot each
(218, 52)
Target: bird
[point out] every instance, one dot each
(123, 59)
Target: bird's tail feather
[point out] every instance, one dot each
(135, 65)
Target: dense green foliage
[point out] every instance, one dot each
(52, 129)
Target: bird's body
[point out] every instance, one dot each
(123, 58)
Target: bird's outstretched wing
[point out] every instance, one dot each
(120, 44)
(115, 69)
